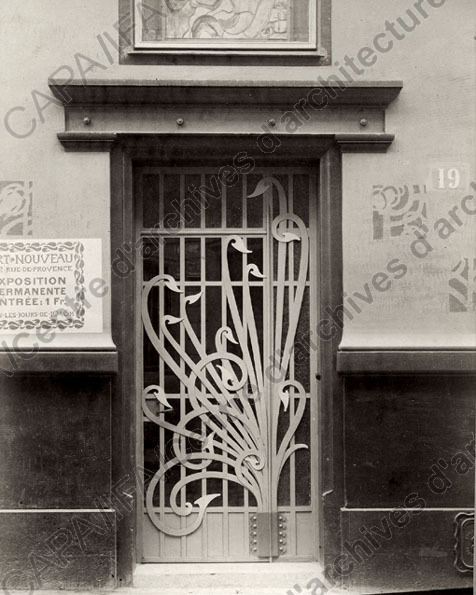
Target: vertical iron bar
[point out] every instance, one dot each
(291, 528)
(161, 365)
(225, 483)
(270, 451)
(182, 348)
(315, 367)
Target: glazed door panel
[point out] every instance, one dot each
(227, 383)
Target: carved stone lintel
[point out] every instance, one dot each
(104, 141)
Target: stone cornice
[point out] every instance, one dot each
(221, 92)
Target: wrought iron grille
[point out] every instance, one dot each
(228, 394)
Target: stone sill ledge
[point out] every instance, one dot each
(406, 362)
(59, 362)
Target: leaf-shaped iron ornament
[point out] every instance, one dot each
(252, 269)
(284, 396)
(191, 299)
(226, 375)
(239, 244)
(170, 283)
(172, 320)
(159, 394)
(224, 333)
(262, 186)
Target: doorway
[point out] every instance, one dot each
(226, 378)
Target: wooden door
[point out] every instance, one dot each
(227, 382)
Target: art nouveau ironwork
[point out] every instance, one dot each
(226, 397)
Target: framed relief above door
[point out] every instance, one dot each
(228, 24)
(241, 29)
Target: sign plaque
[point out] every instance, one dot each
(51, 284)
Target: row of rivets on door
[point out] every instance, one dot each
(179, 121)
(272, 122)
(253, 534)
(282, 534)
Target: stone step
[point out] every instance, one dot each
(235, 578)
(221, 591)
(183, 591)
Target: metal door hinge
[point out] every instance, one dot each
(267, 534)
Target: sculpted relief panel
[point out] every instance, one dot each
(225, 23)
